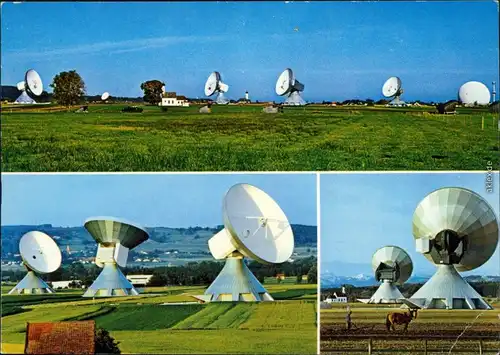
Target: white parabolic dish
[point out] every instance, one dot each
(39, 252)
(105, 96)
(284, 82)
(34, 82)
(214, 83)
(474, 91)
(391, 87)
(258, 226)
(211, 84)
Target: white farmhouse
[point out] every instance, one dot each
(65, 284)
(139, 280)
(337, 299)
(171, 99)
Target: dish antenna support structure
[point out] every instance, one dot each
(31, 86)
(115, 238)
(254, 227)
(214, 85)
(287, 85)
(391, 265)
(40, 254)
(455, 229)
(392, 89)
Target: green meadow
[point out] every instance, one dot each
(154, 322)
(243, 138)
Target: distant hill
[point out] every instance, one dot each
(186, 243)
(9, 93)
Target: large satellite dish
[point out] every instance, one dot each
(40, 254)
(32, 86)
(474, 92)
(455, 229)
(214, 85)
(288, 86)
(391, 265)
(392, 88)
(115, 238)
(254, 227)
(105, 96)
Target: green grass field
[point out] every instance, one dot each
(144, 324)
(242, 138)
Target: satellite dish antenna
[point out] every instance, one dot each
(254, 227)
(40, 254)
(391, 265)
(214, 85)
(105, 96)
(31, 86)
(392, 89)
(455, 229)
(474, 92)
(115, 238)
(288, 86)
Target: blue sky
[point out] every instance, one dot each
(363, 212)
(339, 50)
(168, 200)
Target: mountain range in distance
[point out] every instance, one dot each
(329, 280)
(361, 280)
(361, 275)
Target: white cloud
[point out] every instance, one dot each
(114, 47)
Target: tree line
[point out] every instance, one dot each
(190, 274)
(484, 288)
(203, 273)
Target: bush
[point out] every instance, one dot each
(164, 108)
(132, 109)
(105, 343)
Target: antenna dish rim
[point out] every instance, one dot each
(241, 244)
(27, 247)
(35, 78)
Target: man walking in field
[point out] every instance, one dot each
(348, 320)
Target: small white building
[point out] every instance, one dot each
(139, 280)
(65, 284)
(336, 299)
(171, 99)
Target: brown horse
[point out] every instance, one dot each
(400, 318)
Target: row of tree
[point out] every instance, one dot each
(486, 289)
(194, 273)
